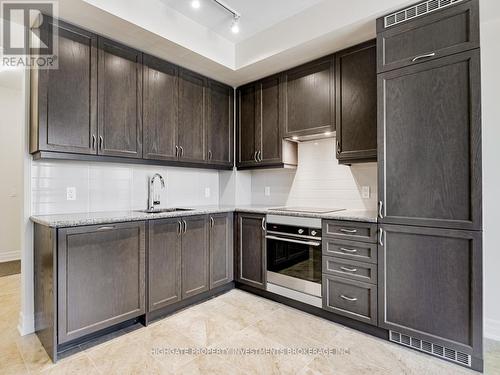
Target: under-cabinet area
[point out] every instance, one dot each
(344, 183)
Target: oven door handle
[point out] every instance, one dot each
(310, 243)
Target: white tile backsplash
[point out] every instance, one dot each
(110, 187)
(318, 181)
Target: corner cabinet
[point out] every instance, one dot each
(356, 98)
(251, 250)
(100, 277)
(309, 98)
(120, 100)
(64, 100)
(260, 125)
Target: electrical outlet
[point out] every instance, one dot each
(207, 192)
(71, 193)
(365, 192)
(267, 191)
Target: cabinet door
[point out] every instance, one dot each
(247, 123)
(160, 109)
(252, 250)
(268, 129)
(67, 96)
(191, 116)
(120, 100)
(221, 249)
(310, 98)
(220, 124)
(164, 261)
(101, 277)
(356, 97)
(195, 256)
(430, 285)
(430, 143)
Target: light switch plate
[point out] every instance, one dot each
(267, 191)
(365, 192)
(71, 193)
(207, 192)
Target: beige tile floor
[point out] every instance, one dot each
(236, 320)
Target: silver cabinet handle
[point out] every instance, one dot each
(176, 151)
(380, 209)
(182, 151)
(101, 142)
(380, 240)
(255, 156)
(350, 231)
(212, 222)
(110, 227)
(351, 251)
(185, 226)
(309, 243)
(426, 56)
(209, 154)
(350, 299)
(259, 157)
(349, 269)
(93, 142)
(263, 224)
(179, 228)
(339, 147)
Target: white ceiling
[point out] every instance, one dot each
(275, 34)
(256, 15)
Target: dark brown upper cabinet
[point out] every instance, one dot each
(219, 123)
(430, 286)
(120, 100)
(429, 138)
(260, 129)
(309, 98)
(191, 130)
(356, 98)
(160, 103)
(441, 33)
(64, 100)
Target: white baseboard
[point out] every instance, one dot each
(7, 256)
(26, 325)
(492, 329)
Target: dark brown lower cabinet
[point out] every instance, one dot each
(221, 249)
(194, 256)
(100, 281)
(251, 257)
(164, 261)
(430, 286)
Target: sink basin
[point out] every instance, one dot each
(162, 210)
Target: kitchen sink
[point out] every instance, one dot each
(162, 210)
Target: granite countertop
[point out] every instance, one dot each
(96, 218)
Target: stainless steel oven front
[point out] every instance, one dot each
(294, 257)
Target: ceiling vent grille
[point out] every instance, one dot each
(417, 11)
(428, 347)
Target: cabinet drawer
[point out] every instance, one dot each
(350, 230)
(359, 251)
(354, 299)
(451, 30)
(350, 269)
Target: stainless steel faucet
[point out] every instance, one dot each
(153, 195)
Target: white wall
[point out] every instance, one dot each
(115, 187)
(490, 82)
(318, 181)
(11, 161)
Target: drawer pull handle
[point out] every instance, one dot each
(352, 251)
(349, 269)
(350, 231)
(350, 299)
(424, 56)
(106, 228)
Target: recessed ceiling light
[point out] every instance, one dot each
(235, 27)
(195, 4)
